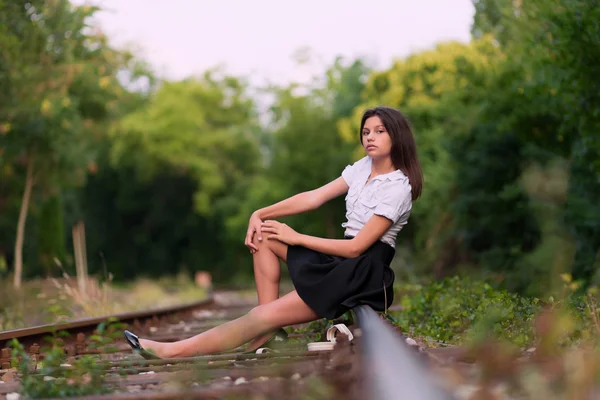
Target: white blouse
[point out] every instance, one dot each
(388, 195)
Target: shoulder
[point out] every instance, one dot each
(395, 191)
(350, 171)
(362, 163)
(394, 199)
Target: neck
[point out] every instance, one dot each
(382, 166)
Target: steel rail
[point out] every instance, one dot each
(392, 369)
(92, 323)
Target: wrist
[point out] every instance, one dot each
(300, 240)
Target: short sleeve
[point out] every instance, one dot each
(395, 202)
(351, 171)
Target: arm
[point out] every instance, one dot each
(297, 204)
(395, 202)
(349, 248)
(305, 201)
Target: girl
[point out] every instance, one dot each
(330, 276)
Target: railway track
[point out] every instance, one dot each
(370, 362)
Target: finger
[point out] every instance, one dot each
(271, 227)
(268, 229)
(248, 237)
(253, 246)
(258, 232)
(279, 238)
(269, 222)
(249, 243)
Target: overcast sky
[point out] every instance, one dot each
(258, 38)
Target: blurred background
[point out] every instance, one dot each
(147, 132)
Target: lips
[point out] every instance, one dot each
(371, 147)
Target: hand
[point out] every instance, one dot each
(281, 232)
(253, 227)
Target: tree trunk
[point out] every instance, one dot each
(21, 224)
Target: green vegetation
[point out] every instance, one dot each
(60, 300)
(55, 377)
(59, 375)
(447, 310)
(462, 310)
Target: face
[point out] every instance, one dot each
(375, 138)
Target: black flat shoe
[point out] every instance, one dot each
(276, 340)
(134, 342)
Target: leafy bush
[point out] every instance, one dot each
(54, 377)
(59, 375)
(447, 310)
(460, 310)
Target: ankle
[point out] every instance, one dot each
(158, 349)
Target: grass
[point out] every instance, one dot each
(46, 301)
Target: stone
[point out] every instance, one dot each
(239, 381)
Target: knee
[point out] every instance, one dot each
(264, 243)
(270, 246)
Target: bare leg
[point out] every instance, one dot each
(267, 274)
(287, 310)
(267, 271)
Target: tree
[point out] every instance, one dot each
(202, 135)
(490, 18)
(205, 128)
(58, 81)
(555, 46)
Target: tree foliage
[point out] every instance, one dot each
(58, 84)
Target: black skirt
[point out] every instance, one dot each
(332, 285)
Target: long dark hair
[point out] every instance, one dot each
(404, 149)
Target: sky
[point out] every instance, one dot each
(258, 39)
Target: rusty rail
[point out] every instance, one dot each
(89, 324)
